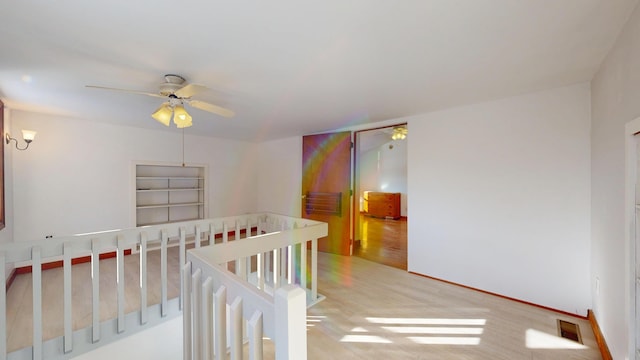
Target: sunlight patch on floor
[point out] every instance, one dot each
(365, 339)
(313, 319)
(389, 328)
(434, 330)
(444, 340)
(540, 340)
(426, 321)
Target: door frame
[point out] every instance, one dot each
(355, 181)
(631, 177)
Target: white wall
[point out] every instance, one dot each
(280, 176)
(615, 101)
(500, 197)
(76, 176)
(6, 234)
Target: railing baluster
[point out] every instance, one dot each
(314, 269)
(276, 268)
(241, 268)
(260, 270)
(95, 294)
(196, 305)
(267, 266)
(163, 272)
(303, 265)
(36, 268)
(255, 337)
(220, 324)
(198, 236)
(241, 263)
(204, 313)
(246, 235)
(67, 284)
(120, 279)
(182, 257)
(236, 329)
(3, 307)
(283, 265)
(207, 319)
(295, 259)
(187, 312)
(290, 264)
(144, 312)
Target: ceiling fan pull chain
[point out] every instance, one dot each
(182, 147)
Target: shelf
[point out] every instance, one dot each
(157, 206)
(169, 178)
(168, 189)
(169, 193)
(167, 222)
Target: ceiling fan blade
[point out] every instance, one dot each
(211, 108)
(125, 90)
(188, 91)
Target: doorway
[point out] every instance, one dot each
(381, 195)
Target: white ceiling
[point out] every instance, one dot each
(296, 67)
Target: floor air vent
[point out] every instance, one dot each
(569, 331)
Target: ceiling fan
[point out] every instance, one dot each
(176, 93)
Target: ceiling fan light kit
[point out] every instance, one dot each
(181, 117)
(177, 93)
(163, 114)
(399, 133)
(168, 110)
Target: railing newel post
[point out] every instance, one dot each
(290, 323)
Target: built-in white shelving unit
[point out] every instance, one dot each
(168, 193)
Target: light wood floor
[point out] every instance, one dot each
(374, 311)
(371, 311)
(383, 241)
(20, 300)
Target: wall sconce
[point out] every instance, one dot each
(27, 135)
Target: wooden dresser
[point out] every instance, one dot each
(382, 204)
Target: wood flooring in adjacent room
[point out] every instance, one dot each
(383, 241)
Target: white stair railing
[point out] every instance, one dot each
(142, 240)
(271, 302)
